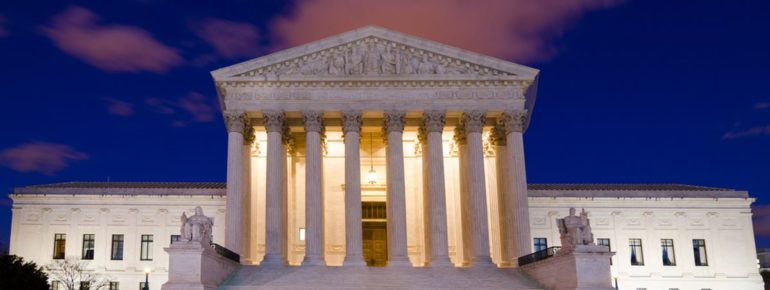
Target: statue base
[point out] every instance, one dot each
(587, 267)
(193, 266)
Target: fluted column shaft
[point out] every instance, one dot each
(235, 122)
(517, 181)
(439, 249)
(474, 123)
(504, 199)
(274, 238)
(465, 202)
(247, 254)
(396, 200)
(314, 218)
(351, 127)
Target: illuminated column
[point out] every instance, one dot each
(504, 199)
(351, 128)
(433, 122)
(235, 122)
(247, 254)
(517, 180)
(396, 200)
(314, 218)
(274, 188)
(465, 203)
(474, 123)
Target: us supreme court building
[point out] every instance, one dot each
(378, 150)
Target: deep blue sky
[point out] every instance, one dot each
(636, 92)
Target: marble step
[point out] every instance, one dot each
(320, 277)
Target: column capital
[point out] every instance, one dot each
(422, 134)
(434, 121)
(248, 134)
(514, 120)
(274, 120)
(235, 121)
(313, 121)
(394, 121)
(351, 121)
(474, 121)
(497, 135)
(287, 139)
(460, 136)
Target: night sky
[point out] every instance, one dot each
(652, 91)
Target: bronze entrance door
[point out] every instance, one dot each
(375, 234)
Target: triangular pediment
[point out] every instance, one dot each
(373, 53)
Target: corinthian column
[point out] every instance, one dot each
(396, 206)
(314, 218)
(504, 199)
(235, 122)
(433, 123)
(474, 123)
(247, 254)
(461, 141)
(276, 159)
(351, 128)
(517, 180)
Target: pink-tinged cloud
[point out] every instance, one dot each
(762, 105)
(230, 39)
(519, 30)
(3, 22)
(761, 220)
(45, 158)
(197, 107)
(751, 132)
(113, 48)
(119, 107)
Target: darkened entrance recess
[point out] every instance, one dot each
(375, 233)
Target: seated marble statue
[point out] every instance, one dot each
(575, 230)
(196, 228)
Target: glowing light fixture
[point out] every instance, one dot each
(371, 177)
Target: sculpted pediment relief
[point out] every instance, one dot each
(372, 56)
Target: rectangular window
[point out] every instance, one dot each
(88, 246)
(85, 286)
(699, 251)
(146, 250)
(56, 285)
(141, 285)
(667, 249)
(541, 244)
(637, 256)
(117, 247)
(175, 238)
(114, 286)
(59, 243)
(606, 243)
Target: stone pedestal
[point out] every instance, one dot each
(193, 266)
(587, 267)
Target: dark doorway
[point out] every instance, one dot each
(375, 234)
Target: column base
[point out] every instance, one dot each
(399, 262)
(440, 263)
(354, 262)
(482, 261)
(313, 261)
(273, 260)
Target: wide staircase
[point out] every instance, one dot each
(319, 277)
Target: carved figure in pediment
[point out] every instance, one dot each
(355, 61)
(337, 64)
(425, 66)
(388, 65)
(372, 60)
(197, 227)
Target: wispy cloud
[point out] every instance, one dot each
(191, 108)
(230, 39)
(112, 48)
(45, 158)
(119, 107)
(520, 30)
(762, 105)
(754, 131)
(3, 30)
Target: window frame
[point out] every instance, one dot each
(175, 238)
(117, 245)
(114, 285)
(609, 245)
(145, 247)
(696, 252)
(640, 256)
(59, 250)
(91, 242)
(536, 244)
(664, 244)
